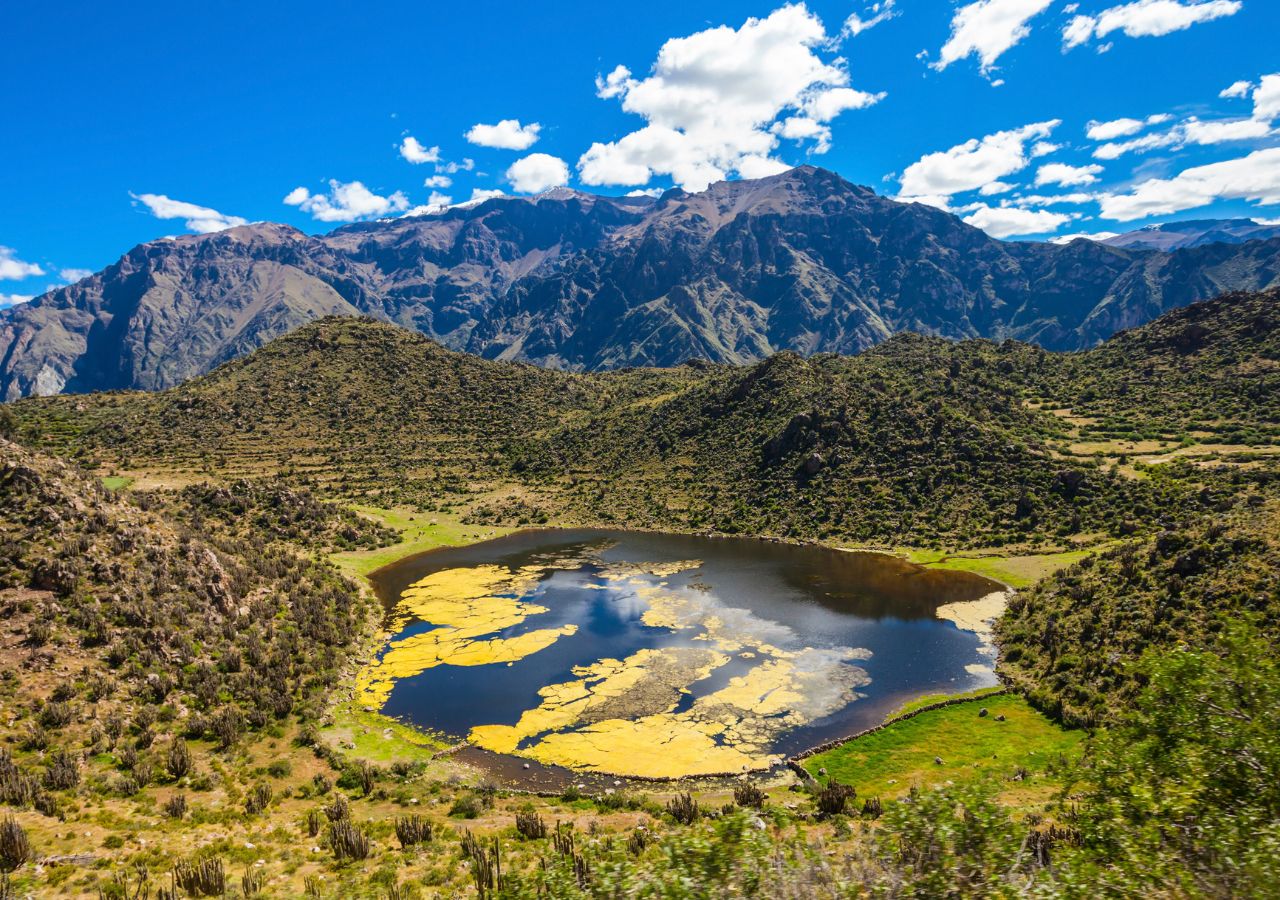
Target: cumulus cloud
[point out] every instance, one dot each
(1255, 177)
(1146, 18)
(1073, 199)
(875, 14)
(1088, 236)
(71, 276)
(538, 172)
(1067, 176)
(508, 134)
(971, 165)
(437, 181)
(1236, 89)
(480, 195)
(1193, 130)
(1007, 221)
(14, 269)
(436, 203)
(719, 100)
(414, 152)
(988, 28)
(200, 219)
(453, 168)
(1118, 128)
(348, 202)
(1117, 149)
(8, 300)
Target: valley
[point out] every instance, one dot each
(196, 583)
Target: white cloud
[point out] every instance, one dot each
(647, 192)
(1254, 177)
(8, 300)
(13, 269)
(996, 187)
(1237, 89)
(1198, 132)
(720, 99)
(1115, 150)
(1266, 98)
(538, 172)
(1094, 236)
(453, 168)
(986, 29)
(71, 276)
(437, 181)
(200, 219)
(436, 203)
(346, 202)
(1067, 176)
(480, 195)
(1076, 198)
(876, 14)
(1044, 148)
(1117, 128)
(761, 166)
(508, 134)
(973, 164)
(414, 152)
(1003, 221)
(1146, 18)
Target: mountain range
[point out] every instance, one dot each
(801, 261)
(1196, 233)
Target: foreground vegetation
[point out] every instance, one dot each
(177, 639)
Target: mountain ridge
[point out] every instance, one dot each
(803, 260)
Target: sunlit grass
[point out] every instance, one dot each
(888, 763)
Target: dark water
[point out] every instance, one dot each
(818, 597)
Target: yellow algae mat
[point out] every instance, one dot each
(640, 715)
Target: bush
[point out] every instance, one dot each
(15, 849)
(530, 825)
(833, 798)
(746, 794)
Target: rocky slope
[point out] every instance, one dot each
(800, 261)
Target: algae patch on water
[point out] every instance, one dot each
(630, 658)
(469, 608)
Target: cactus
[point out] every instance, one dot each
(251, 882)
(412, 831)
(15, 849)
(258, 799)
(530, 825)
(339, 810)
(176, 806)
(833, 798)
(684, 809)
(348, 842)
(178, 760)
(207, 878)
(746, 794)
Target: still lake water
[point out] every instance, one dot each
(737, 650)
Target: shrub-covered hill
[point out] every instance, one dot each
(1212, 367)
(164, 606)
(1070, 641)
(919, 441)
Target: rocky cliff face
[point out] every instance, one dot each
(802, 261)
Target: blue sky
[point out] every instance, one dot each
(1030, 118)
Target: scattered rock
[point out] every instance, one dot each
(982, 713)
(937, 760)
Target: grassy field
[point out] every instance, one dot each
(888, 763)
(419, 532)
(1015, 571)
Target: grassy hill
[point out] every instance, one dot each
(920, 441)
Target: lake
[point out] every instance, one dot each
(658, 655)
